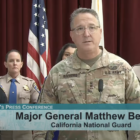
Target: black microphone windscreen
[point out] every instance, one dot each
(100, 85)
(3, 98)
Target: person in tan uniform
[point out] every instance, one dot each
(26, 91)
(75, 79)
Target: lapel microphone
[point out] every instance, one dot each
(100, 88)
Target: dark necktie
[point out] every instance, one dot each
(13, 92)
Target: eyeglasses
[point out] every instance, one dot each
(80, 30)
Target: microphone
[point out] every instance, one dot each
(3, 98)
(100, 85)
(100, 88)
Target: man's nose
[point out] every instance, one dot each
(86, 32)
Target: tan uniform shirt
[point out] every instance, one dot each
(74, 82)
(27, 92)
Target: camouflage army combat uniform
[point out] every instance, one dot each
(27, 92)
(74, 82)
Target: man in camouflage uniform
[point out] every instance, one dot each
(75, 80)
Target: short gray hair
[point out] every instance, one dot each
(83, 10)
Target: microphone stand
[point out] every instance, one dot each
(99, 98)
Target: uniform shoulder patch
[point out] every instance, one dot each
(35, 87)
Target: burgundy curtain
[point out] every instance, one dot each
(121, 27)
(15, 17)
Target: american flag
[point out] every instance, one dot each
(38, 55)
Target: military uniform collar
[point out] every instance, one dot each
(8, 78)
(77, 63)
(102, 61)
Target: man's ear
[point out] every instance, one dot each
(5, 64)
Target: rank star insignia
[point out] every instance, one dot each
(26, 88)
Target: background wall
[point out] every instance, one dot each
(121, 27)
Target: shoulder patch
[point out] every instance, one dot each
(36, 88)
